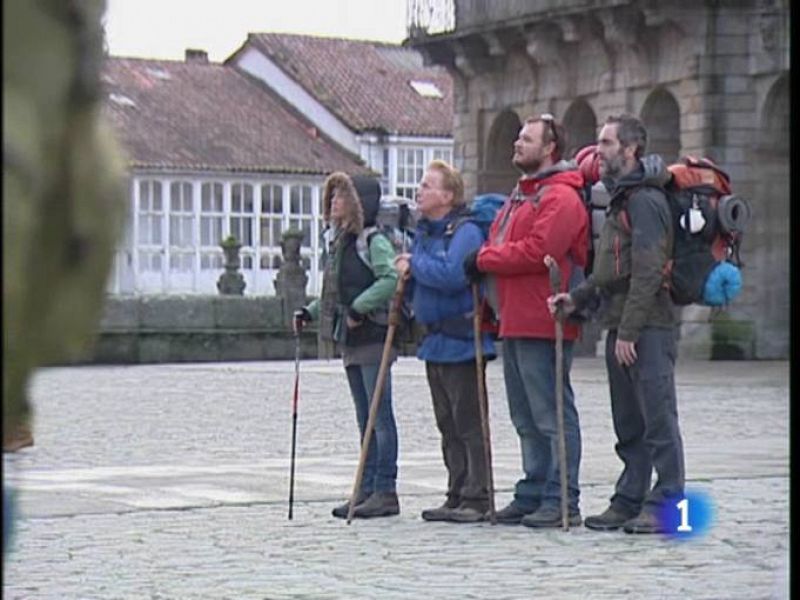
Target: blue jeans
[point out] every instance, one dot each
(530, 373)
(380, 468)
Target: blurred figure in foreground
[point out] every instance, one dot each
(63, 197)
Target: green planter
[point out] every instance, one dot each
(732, 339)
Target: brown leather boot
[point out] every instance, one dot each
(379, 504)
(342, 510)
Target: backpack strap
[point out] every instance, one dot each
(450, 230)
(379, 316)
(362, 244)
(537, 197)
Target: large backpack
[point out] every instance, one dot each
(481, 211)
(595, 198)
(708, 223)
(395, 221)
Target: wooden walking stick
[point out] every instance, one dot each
(483, 402)
(394, 319)
(555, 285)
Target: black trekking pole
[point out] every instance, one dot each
(555, 285)
(294, 417)
(483, 400)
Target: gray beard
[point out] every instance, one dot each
(612, 171)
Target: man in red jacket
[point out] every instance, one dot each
(543, 216)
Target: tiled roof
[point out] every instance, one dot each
(366, 84)
(207, 116)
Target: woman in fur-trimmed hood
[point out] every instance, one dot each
(361, 197)
(356, 291)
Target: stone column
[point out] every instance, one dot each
(231, 282)
(290, 283)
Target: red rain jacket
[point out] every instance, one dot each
(544, 215)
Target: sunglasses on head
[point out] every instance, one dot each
(550, 120)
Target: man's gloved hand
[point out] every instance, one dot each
(474, 275)
(301, 317)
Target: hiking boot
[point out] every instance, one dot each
(550, 516)
(646, 522)
(379, 504)
(467, 513)
(441, 513)
(342, 510)
(613, 518)
(510, 515)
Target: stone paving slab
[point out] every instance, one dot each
(170, 481)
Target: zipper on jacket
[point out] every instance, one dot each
(616, 254)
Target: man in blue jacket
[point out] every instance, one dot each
(442, 303)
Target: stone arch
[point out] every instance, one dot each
(498, 174)
(661, 116)
(766, 244)
(581, 125)
(774, 133)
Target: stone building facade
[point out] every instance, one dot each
(707, 78)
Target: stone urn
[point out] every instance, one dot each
(231, 282)
(290, 283)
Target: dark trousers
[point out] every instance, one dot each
(454, 389)
(645, 413)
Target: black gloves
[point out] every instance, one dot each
(474, 275)
(301, 317)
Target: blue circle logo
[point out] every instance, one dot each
(690, 516)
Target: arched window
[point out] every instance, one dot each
(662, 118)
(774, 132)
(581, 125)
(499, 174)
(767, 247)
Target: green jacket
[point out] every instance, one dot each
(634, 246)
(350, 286)
(376, 297)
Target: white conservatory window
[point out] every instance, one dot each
(242, 219)
(444, 154)
(385, 173)
(300, 211)
(181, 226)
(180, 223)
(410, 168)
(150, 223)
(271, 225)
(211, 218)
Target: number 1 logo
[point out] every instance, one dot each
(689, 517)
(683, 506)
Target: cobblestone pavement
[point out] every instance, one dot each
(171, 481)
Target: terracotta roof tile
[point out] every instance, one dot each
(207, 116)
(366, 84)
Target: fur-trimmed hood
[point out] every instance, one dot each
(362, 194)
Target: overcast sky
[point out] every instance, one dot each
(165, 28)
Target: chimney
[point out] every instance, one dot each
(195, 55)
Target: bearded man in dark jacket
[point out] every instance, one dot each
(636, 308)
